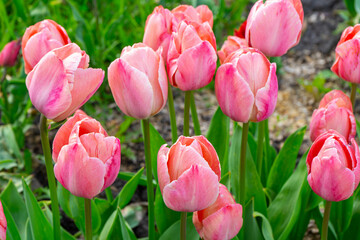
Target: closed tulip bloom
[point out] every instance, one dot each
(347, 64)
(232, 44)
(62, 82)
(246, 86)
(138, 81)
(275, 26)
(220, 221)
(86, 159)
(9, 53)
(189, 174)
(192, 56)
(333, 166)
(200, 14)
(3, 223)
(41, 38)
(335, 112)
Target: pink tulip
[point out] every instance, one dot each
(86, 160)
(246, 86)
(192, 56)
(9, 53)
(333, 166)
(62, 82)
(189, 174)
(3, 223)
(275, 26)
(232, 44)
(41, 38)
(200, 14)
(347, 64)
(335, 112)
(220, 221)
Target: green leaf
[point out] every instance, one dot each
(12, 232)
(128, 175)
(234, 160)
(64, 234)
(173, 231)
(124, 230)
(350, 5)
(111, 229)
(156, 141)
(352, 231)
(341, 214)
(250, 229)
(265, 226)
(9, 144)
(21, 10)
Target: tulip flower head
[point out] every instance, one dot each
(333, 166)
(246, 86)
(41, 38)
(189, 174)
(220, 221)
(200, 14)
(9, 53)
(232, 44)
(3, 223)
(86, 159)
(62, 82)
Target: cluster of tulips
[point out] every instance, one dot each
(179, 50)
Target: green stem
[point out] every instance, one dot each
(109, 195)
(149, 177)
(194, 116)
(353, 94)
(186, 131)
(50, 176)
(88, 226)
(244, 138)
(172, 114)
(183, 226)
(324, 232)
(266, 147)
(260, 146)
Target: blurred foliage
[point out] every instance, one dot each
(317, 86)
(351, 15)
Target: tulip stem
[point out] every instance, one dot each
(183, 226)
(244, 139)
(186, 131)
(149, 177)
(266, 147)
(260, 146)
(194, 116)
(88, 226)
(172, 114)
(50, 176)
(353, 94)
(109, 195)
(324, 232)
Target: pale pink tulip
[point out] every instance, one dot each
(347, 64)
(246, 86)
(275, 26)
(189, 174)
(3, 223)
(39, 39)
(333, 166)
(200, 14)
(9, 53)
(62, 82)
(232, 44)
(220, 221)
(335, 112)
(86, 160)
(138, 81)
(192, 56)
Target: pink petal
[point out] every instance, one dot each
(205, 14)
(112, 164)
(348, 63)
(162, 169)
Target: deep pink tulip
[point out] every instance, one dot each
(138, 81)
(200, 14)
(232, 44)
(220, 221)
(333, 166)
(275, 26)
(62, 82)
(335, 112)
(189, 174)
(192, 56)
(3, 223)
(246, 86)
(39, 39)
(9, 53)
(347, 64)
(86, 160)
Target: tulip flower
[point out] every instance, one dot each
(246, 86)
(200, 14)
(275, 26)
(334, 112)
(232, 44)
(3, 223)
(138, 81)
(62, 82)
(189, 174)
(220, 221)
(192, 56)
(333, 166)
(9, 53)
(41, 38)
(86, 159)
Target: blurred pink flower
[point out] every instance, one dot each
(9, 53)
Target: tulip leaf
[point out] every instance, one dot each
(173, 231)
(250, 228)
(350, 5)
(12, 232)
(128, 175)
(285, 161)
(156, 141)
(21, 10)
(340, 215)
(265, 226)
(116, 228)
(352, 231)
(64, 234)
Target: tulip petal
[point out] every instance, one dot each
(209, 153)
(112, 164)
(162, 169)
(348, 64)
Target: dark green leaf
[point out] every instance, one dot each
(12, 232)
(156, 141)
(173, 231)
(250, 229)
(265, 226)
(340, 215)
(128, 175)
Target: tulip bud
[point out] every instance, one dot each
(200, 14)
(189, 174)
(9, 53)
(62, 82)
(192, 56)
(138, 81)
(347, 64)
(41, 38)
(246, 86)
(3, 223)
(86, 160)
(232, 44)
(220, 221)
(333, 166)
(335, 112)
(275, 26)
